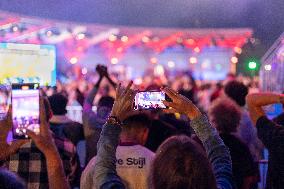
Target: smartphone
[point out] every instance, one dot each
(25, 109)
(149, 100)
(3, 105)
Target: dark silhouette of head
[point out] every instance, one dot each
(58, 103)
(106, 101)
(136, 129)
(9, 180)
(237, 91)
(104, 106)
(181, 163)
(225, 115)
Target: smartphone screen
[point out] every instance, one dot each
(3, 105)
(149, 100)
(25, 109)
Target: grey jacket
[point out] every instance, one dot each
(217, 152)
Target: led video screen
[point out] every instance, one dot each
(27, 63)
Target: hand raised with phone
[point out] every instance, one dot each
(123, 104)
(180, 104)
(45, 143)
(8, 149)
(44, 140)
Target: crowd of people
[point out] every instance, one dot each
(211, 135)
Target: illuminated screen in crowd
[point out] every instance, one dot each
(27, 63)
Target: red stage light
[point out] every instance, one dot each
(190, 41)
(120, 49)
(145, 39)
(238, 50)
(196, 49)
(154, 60)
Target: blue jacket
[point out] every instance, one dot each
(217, 152)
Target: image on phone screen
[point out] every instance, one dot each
(25, 109)
(149, 100)
(3, 105)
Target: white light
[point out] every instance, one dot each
(84, 71)
(145, 39)
(114, 60)
(124, 38)
(80, 36)
(138, 81)
(73, 60)
(49, 33)
(192, 60)
(154, 60)
(267, 67)
(234, 60)
(112, 37)
(15, 29)
(159, 70)
(171, 64)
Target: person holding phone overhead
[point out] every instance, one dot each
(44, 142)
(192, 168)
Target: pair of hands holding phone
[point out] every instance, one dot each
(44, 140)
(123, 105)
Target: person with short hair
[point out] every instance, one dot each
(225, 116)
(237, 91)
(60, 124)
(271, 134)
(133, 160)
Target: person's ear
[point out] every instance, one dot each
(145, 136)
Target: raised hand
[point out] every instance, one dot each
(102, 70)
(45, 143)
(123, 104)
(5, 126)
(180, 104)
(44, 140)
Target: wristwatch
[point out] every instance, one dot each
(113, 120)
